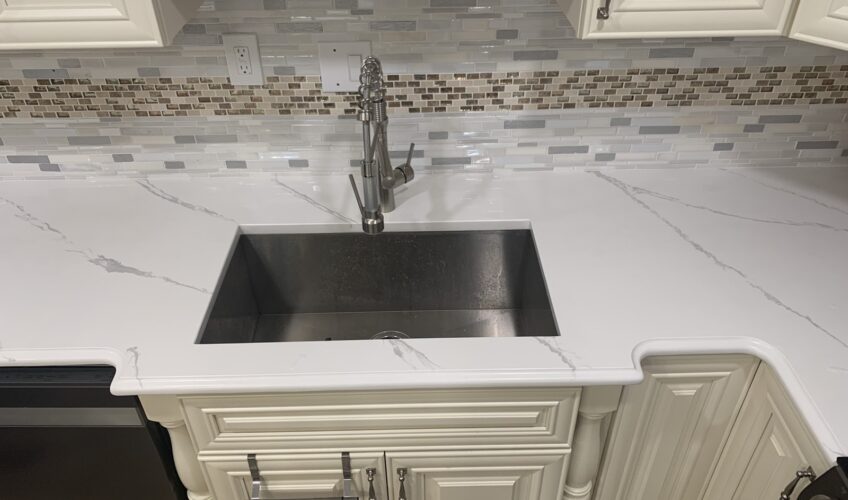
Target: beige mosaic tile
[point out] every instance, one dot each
(428, 93)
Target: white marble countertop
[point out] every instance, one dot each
(637, 263)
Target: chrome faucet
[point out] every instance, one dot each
(379, 179)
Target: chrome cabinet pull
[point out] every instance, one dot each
(255, 478)
(371, 473)
(402, 477)
(604, 10)
(799, 475)
(347, 480)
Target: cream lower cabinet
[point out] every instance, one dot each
(824, 22)
(668, 431)
(679, 18)
(475, 444)
(479, 475)
(76, 24)
(716, 427)
(768, 444)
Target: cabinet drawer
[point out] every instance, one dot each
(382, 420)
(293, 476)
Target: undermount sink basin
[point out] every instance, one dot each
(351, 286)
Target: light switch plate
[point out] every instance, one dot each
(244, 63)
(340, 63)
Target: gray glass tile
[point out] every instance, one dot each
(567, 150)
(92, 140)
(122, 157)
(28, 159)
(300, 27)
(669, 52)
(780, 119)
(535, 55)
(392, 25)
(659, 129)
(506, 34)
(817, 145)
(509, 124)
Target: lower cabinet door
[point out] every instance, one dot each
(668, 432)
(768, 444)
(295, 476)
(479, 475)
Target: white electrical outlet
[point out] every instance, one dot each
(243, 61)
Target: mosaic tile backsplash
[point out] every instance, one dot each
(429, 93)
(477, 84)
(719, 136)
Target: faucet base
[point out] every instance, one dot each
(373, 226)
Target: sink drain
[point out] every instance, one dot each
(391, 335)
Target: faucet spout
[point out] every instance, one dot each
(379, 179)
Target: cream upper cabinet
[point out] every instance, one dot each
(74, 24)
(680, 18)
(478, 475)
(667, 434)
(824, 22)
(768, 444)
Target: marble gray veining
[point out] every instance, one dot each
(557, 351)
(633, 193)
(108, 264)
(148, 186)
(410, 355)
(312, 201)
(787, 191)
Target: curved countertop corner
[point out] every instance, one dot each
(637, 263)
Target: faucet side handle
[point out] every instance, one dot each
(356, 194)
(406, 168)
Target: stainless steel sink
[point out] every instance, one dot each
(351, 286)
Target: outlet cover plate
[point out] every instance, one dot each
(234, 64)
(340, 63)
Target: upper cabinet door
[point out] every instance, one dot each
(824, 22)
(680, 18)
(73, 24)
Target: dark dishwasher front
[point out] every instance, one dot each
(64, 436)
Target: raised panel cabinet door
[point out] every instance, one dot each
(824, 22)
(479, 475)
(70, 24)
(669, 429)
(689, 18)
(294, 476)
(768, 444)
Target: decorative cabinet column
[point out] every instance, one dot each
(595, 404)
(166, 411)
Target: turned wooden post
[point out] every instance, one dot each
(166, 411)
(595, 404)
